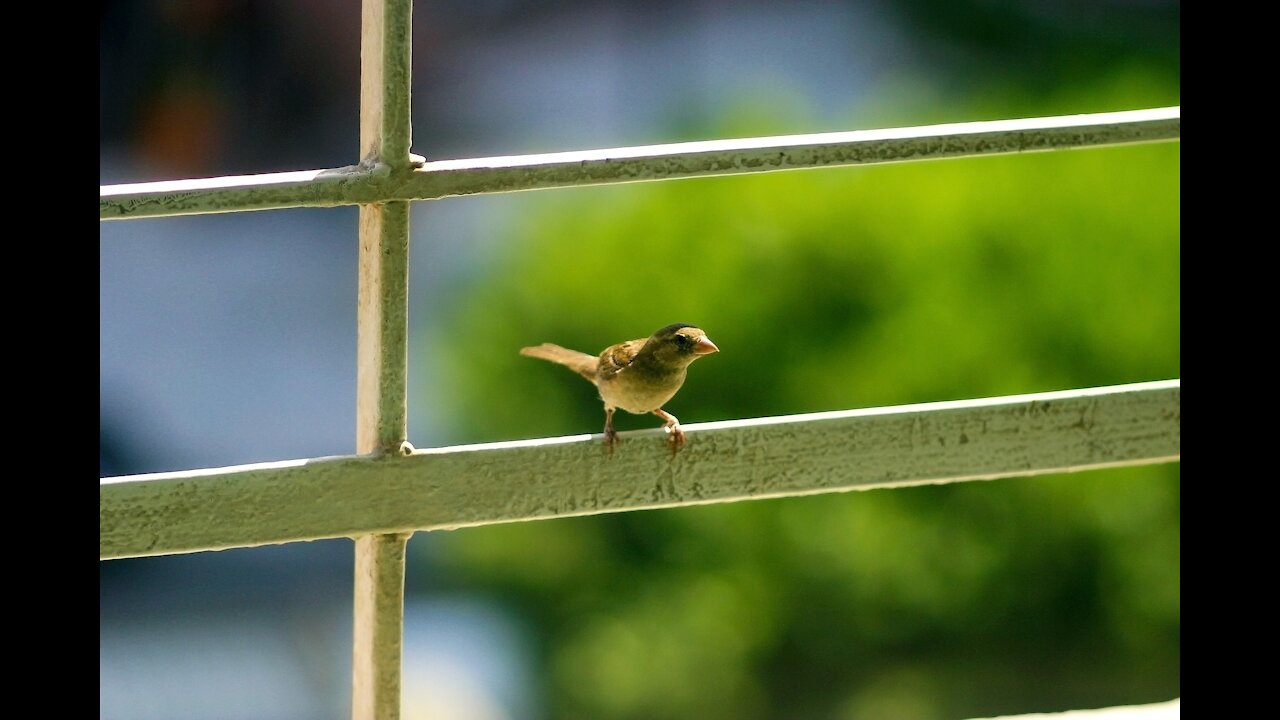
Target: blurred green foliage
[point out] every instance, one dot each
(840, 289)
(1042, 45)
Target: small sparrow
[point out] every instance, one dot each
(639, 376)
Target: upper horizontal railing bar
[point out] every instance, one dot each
(446, 488)
(446, 178)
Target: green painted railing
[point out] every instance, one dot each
(388, 490)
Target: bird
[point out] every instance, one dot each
(639, 376)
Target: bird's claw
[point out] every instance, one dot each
(610, 440)
(676, 437)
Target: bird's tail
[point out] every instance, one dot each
(579, 362)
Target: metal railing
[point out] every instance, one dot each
(402, 490)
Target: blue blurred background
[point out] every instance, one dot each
(231, 339)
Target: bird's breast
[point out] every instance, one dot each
(640, 392)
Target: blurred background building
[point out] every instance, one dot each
(231, 339)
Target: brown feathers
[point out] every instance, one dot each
(640, 375)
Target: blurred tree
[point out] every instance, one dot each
(832, 290)
(1042, 46)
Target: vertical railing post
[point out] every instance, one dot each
(382, 352)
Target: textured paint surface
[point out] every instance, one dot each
(433, 180)
(723, 462)
(382, 331)
(381, 357)
(378, 627)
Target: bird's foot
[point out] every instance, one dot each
(675, 436)
(610, 439)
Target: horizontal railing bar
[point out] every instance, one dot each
(1169, 710)
(447, 178)
(472, 485)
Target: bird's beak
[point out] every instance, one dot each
(704, 346)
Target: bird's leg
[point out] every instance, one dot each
(673, 429)
(610, 435)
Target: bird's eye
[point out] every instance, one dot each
(683, 342)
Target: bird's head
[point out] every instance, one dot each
(680, 344)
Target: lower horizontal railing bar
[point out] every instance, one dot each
(474, 485)
(1170, 710)
(432, 180)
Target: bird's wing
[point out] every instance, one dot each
(617, 357)
(579, 362)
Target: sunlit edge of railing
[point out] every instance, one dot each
(429, 180)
